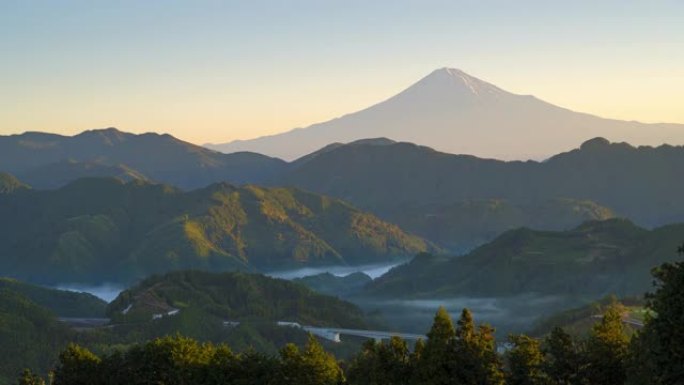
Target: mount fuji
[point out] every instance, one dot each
(454, 112)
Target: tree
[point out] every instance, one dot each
(28, 378)
(474, 356)
(77, 366)
(663, 334)
(312, 366)
(607, 349)
(433, 365)
(525, 361)
(381, 364)
(562, 358)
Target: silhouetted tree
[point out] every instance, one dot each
(312, 366)
(607, 349)
(474, 357)
(433, 366)
(381, 363)
(562, 358)
(660, 346)
(525, 361)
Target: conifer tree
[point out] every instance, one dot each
(311, 366)
(381, 364)
(475, 360)
(562, 358)
(607, 349)
(433, 366)
(525, 361)
(659, 349)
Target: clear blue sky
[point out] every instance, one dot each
(221, 70)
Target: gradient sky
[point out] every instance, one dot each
(214, 71)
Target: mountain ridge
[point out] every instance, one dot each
(454, 112)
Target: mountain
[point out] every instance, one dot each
(593, 260)
(330, 284)
(413, 184)
(162, 158)
(61, 302)
(55, 175)
(579, 321)
(96, 230)
(463, 225)
(233, 296)
(10, 184)
(30, 336)
(454, 112)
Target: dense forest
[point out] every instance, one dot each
(463, 353)
(106, 230)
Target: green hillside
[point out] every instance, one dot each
(9, 184)
(61, 302)
(233, 296)
(460, 201)
(59, 174)
(593, 260)
(96, 230)
(30, 336)
(461, 226)
(579, 321)
(330, 284)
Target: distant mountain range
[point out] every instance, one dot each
(460, 201)
(454, 112)
(48, 160)
(456, 201)
(593, 260)
(104, 230)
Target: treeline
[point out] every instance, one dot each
(460, 354)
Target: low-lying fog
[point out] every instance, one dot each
(105, 291)
(507, 314)
(373, 271)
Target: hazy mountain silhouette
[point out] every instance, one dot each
(158, 157)
(428, 192)
(454, 112)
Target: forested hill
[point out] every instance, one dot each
(96, 230)
(234, 296)
(643, 183)
(33, 155)
(61, 302)
(592, 260)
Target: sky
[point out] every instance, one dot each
(215, 71)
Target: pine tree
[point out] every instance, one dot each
(660, 346)
(525, 361)
(562, 358)
(433, 366)
(607, 349)
(474, 356)
(381, 364)
(312, 366)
